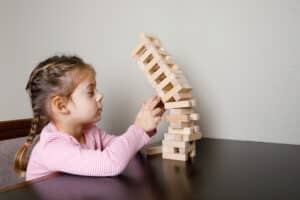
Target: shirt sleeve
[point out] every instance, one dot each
(65, 156)
(106, 138)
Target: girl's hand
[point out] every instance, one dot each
(149, 115)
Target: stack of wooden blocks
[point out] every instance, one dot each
(166, 77)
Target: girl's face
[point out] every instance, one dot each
(86, 102)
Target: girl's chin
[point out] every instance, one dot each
(98, 118)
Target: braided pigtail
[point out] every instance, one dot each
(21, 160)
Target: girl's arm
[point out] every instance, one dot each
(64, 156)
(105, 138)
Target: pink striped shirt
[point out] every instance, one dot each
(102, 154)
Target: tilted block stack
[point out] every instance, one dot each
(166, 77)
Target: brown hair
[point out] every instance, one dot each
(57, 75)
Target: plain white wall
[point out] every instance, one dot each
(241, 57)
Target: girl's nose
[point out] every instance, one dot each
(99, 96)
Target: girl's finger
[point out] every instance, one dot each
(149, 100)
(154, 103)
(156, 111)
(157, 119)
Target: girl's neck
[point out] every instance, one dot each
(73, 130)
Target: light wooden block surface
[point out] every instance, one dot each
(185, 138)
(187, 124)
(173, 156)
(181, 117)
(181, 104)
(185, 131)
(179, 144)
(183, 111)
(181, 150)
(153, 150)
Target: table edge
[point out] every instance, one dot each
(25, 183)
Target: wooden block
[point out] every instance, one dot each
(174, 68)
(150, 65)
(185, 131)
(181, 111)
(174, 80)
(148, 36)
(156, 51)
(174, 93)
(164, 66)
(171, 137)
(151, 44)
(179, 144)
(181, 80)
(173, 73)
(163, 52)
(180, 137)
(153, 150)
(181, 117)
(154, 85)
(180, 157)
(166, 77)
(156, 43)
(151, 79)
(146, 57)
(164, 60)
(194, 116)
(171, 149)
(181, 96)
(169, 96)
(174, 149)
(177, 117)
(180, 104)
(181, 124)
(170, 88)
(151, 41)
(139, 50)
(151, 68)
(156, 74)
(165, 82)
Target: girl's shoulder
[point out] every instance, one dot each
(51, 134)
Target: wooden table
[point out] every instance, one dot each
(223, 169)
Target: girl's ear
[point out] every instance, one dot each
(59, 105)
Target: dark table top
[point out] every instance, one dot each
(222, 169)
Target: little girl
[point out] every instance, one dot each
(66, 105)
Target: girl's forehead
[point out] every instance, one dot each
(88, 82)
(86, 78)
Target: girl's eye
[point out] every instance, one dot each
(91, 93)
